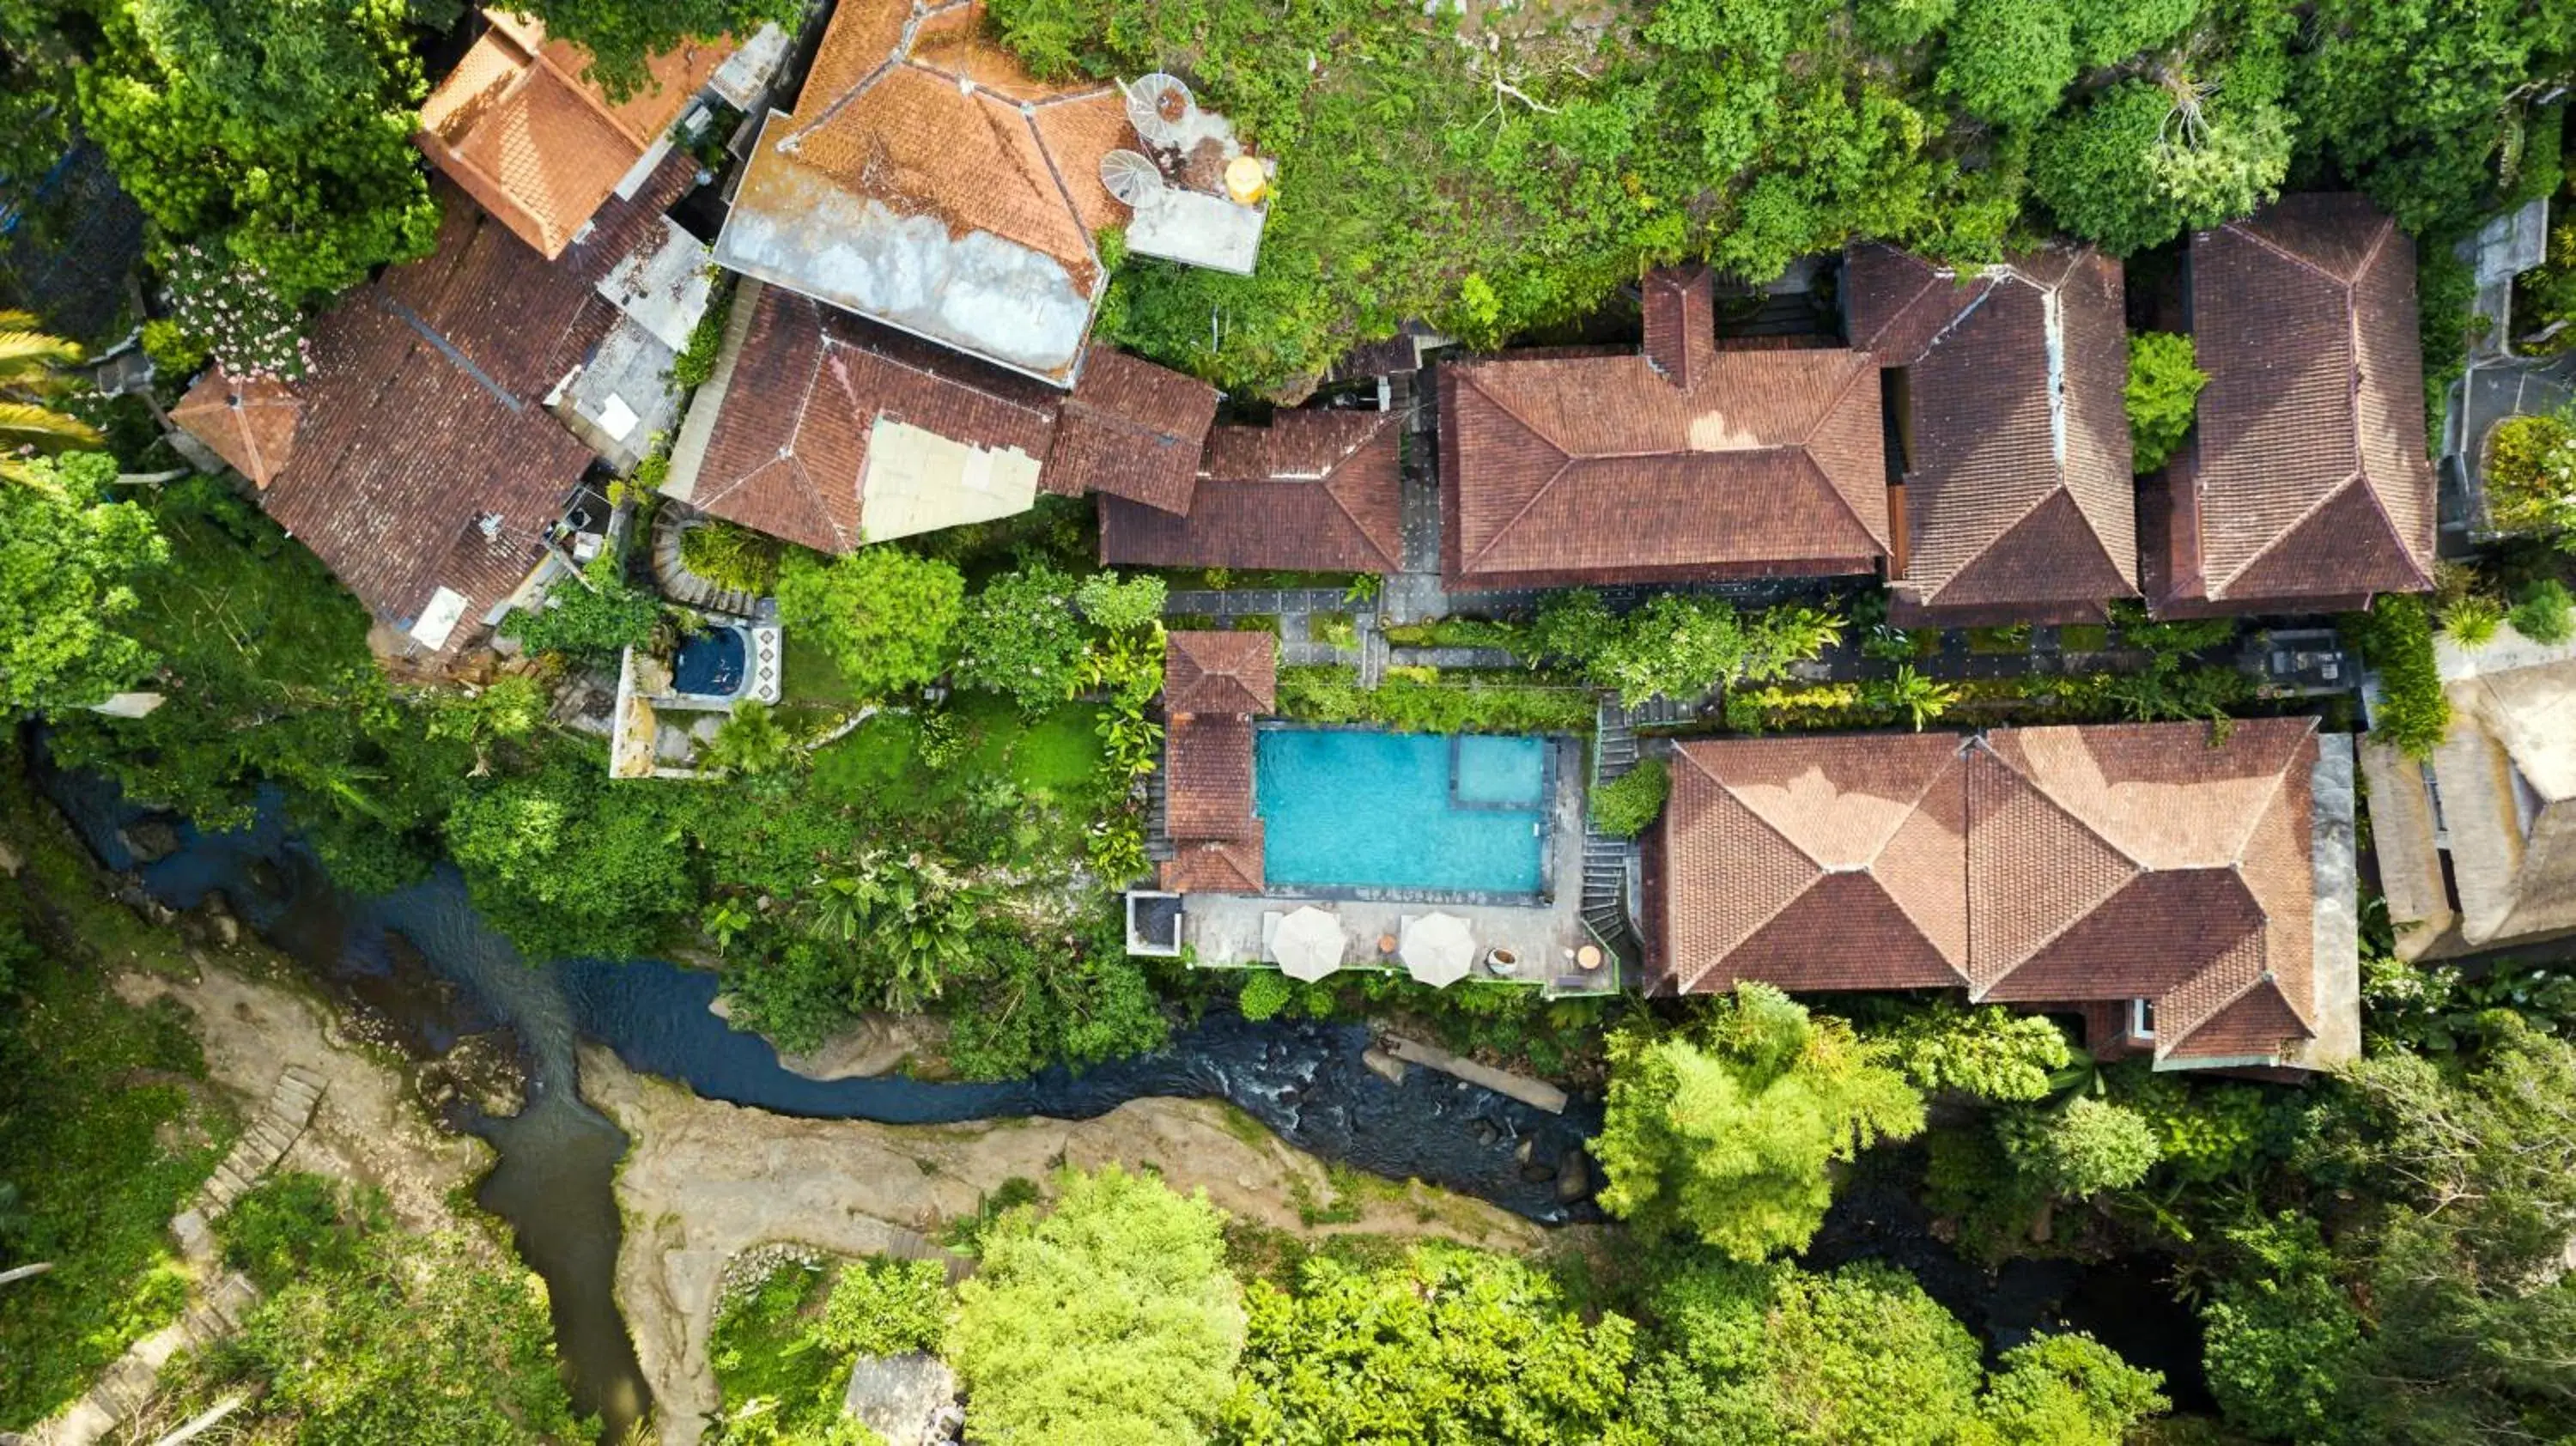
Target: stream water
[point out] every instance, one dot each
(426, 970)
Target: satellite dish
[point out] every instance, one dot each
(1130, 177)
(1161, 110)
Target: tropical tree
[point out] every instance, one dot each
(2164, 383)
(751, 741)
(1724, 1134)
(1987, 1053)
(1021, 638)
(2083, 1148)
(31, 377)
(904, 922)
(1912, 696)
(1445, 1345)
(888, 617)
(70, 561)
(1108, 1320)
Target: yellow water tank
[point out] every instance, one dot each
(1247, 181)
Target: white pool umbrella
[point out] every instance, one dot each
(1309, 944)
(1437, 949)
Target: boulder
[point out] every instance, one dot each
(909, 1400)
(150, 840)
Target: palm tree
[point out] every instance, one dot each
(31, 372)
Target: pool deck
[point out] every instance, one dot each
(1223, 931)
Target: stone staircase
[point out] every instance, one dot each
(1608, 861)
(214, 1310)
(1158, 831)
(683, 586)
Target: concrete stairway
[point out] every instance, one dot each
(683, 586)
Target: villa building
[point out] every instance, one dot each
(2477, 847)
(1683, 463)
(2014, 501)
(2304, 487)
(1315, 491)
(2189, 899)
(1214, 684)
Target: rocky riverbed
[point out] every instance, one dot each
(704, 1181)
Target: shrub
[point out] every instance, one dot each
(2162, 385)
(730, 557)
(1990, 1053)
(1118, 604)
(2082, 1149)
(1627, 804)
(1265, 992)
(590, 617)
(2472, 621)
(2531, 474)
(1022, 639)
(176, 353)
(2396, 639)
(885, 1307)
(2546, 614)
(888, 617)
(696, 362)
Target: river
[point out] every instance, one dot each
(427, 967)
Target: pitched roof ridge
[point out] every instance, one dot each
(1933, 273)
(1064, 193)
(2137, 870)
(2243, 227)
(1758, 925)
(2358, 478)
(2062, 489)
(2167, 1049)
(1540, 433)
(1394, 564)
(597, 106)
(900, 55)
(1807, 454)
(900, 364)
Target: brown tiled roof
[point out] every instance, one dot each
(805, 389)
(521, 129)
(1219, 673)
(1315, 491)
(1704, 464)
(425, 458)
(2018, 490)
(909, 107)
(1131, 429)
(1216, 866)
(249, 422)
(2141, 860)
(1207, 777)
(1816, 863)
(2309, 449)
(2037, 866)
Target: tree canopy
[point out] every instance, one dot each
(888, 617)
(1109, 1318)
(1725, 1133)
(70, 562)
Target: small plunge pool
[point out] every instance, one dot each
(1354, 808)
(709, 664)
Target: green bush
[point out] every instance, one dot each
(696, 363)
(1422, 700)
(2531, 474)
(1265, 992)
(1626, 805)
(590, 618)
(888, 617)
(2545, 613)
(1118, 604)
(2396, 638)
(2163, 383)
(886, 1307)
(298, 1222)
(2472, 621)
(730, 557)
(1021, 638)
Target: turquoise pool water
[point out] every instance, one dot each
(1351, 808)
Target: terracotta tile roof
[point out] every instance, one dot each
(2037, 866)
(797, 398)
(424, 459)
(1315, 491)
(1815, 863)
(2312, 479)
(928, 182)
(1216, 866)
(521, 129)
(1705, 464)
(1207, 777)
(250, 423)
(1219, 673)
(2139, 860)
(2018, 489)
(1131, 429)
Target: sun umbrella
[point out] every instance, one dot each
(1437, 949)
(1308, 945)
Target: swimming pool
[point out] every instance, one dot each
(1355, 808)
(709, 665)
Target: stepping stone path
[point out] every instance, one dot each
(215, 1309)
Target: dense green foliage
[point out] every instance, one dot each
(1677, 645)
(787, 1331)
(70, 560)
(1121, 604)
(590, 618)
(2531, 474)
(1770, 1355)
(1987, 1053)
(1021, 638)
(103, 1137)
(2545, 613)
(2080, 1148)
(730, 556)
(2163, 384)
(1628, 804)
(887, 617)
(1108, 1319)
(1725, 1133)
(1447, 1345)
(282, 130)
(1423, 700)
(373, 1337)
(2396, 638)
(622, 34)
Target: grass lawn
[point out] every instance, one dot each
(2083, 638)
(880, 761)
(812, 679)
